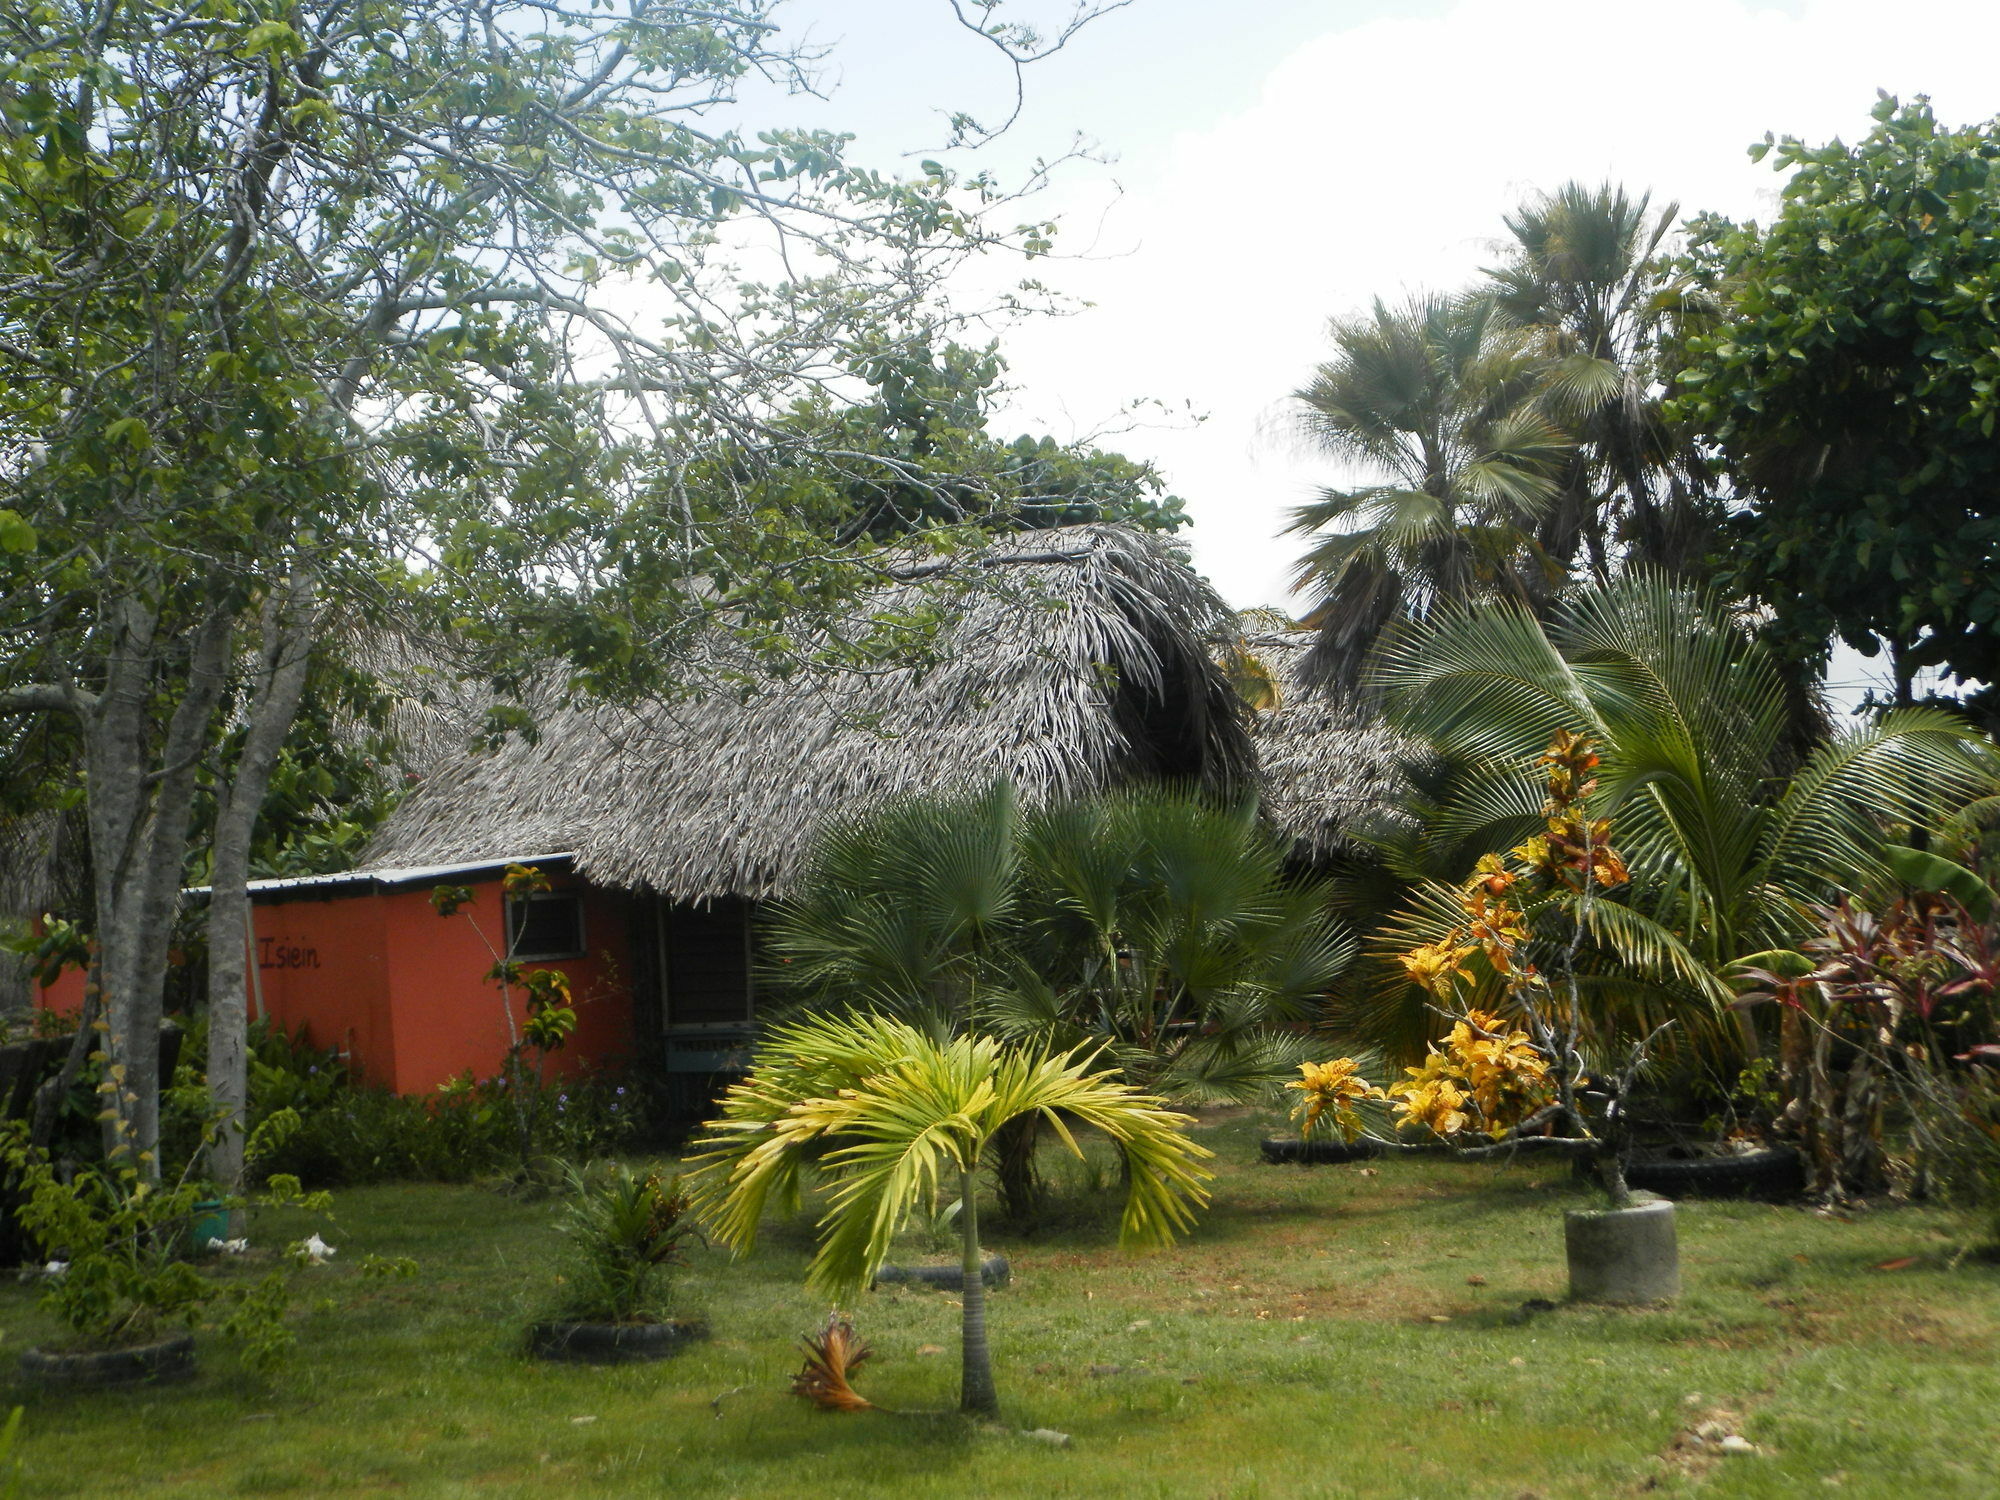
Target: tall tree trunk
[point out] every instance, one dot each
(140, 812)
(976, 1394)
(283, 656)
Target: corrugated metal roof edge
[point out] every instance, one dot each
(392, 877)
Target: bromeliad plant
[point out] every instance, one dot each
(889, 1116)
(627, 1232)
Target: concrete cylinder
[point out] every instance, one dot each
(1623, 1255)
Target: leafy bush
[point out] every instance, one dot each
(468, 1127)
(120, 1273)
(625, 1234)
(351, 1133)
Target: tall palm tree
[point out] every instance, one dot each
(890, 1114)
(1689, 709)
(1433, 404)
(1585, 281)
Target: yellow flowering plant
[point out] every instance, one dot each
(1502, 1077)
(1330, 1090)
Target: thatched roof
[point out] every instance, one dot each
(1325, 766)
(1074, 659)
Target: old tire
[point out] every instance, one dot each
(168, 1360)
(1623, 1255)
(1279, 1151)
(994, 1271)
(613, 1343)
(1773, 1176)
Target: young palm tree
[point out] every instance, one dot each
(1147, 924)
(890, 1115)
(1689, 710)
(1433, 403)
(1586, 284)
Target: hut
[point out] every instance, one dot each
(1071, 660)
(1326, 767)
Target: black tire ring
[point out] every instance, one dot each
(1318, 1153)
(1281, 1151)
(1777, 1174)
(613, 1343)
(169, 1360)
(994, 1271)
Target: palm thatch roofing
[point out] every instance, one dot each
(1073, 659)
(1326, 765)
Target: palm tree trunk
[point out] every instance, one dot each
(977, 1397)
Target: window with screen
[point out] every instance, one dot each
(707, 965)
(547, 924)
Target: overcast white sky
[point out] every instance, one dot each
(1281, 161)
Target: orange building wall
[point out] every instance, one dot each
(402, 992)
(322, 965)
(448, 1016)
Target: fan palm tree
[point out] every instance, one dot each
(1149, 925)
(891, 1115)
(1148, 922)
(1689, 711)
(1433, 403)
(1586, 284)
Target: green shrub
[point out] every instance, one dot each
(624, 1234)
(350, 1132)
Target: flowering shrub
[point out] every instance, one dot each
(1488, 1075)
(121, 1274)
(1330, 1090)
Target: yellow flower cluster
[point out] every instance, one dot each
(1487, 1074)
(1331, 1089)
(1571, 851)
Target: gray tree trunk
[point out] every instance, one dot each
(976, 1394)
(140, 807)
(283, 655)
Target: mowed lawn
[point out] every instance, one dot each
(1327, 1332)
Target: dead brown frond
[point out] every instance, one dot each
(832, 1354)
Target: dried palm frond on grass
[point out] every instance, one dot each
(832, 1354)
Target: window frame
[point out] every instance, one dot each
(516, 902)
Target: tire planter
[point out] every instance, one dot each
(613, 1343)
(1623, 1255)
(1280, 1151)
(994, 1271)
(1774, 1176)
(168, 1360)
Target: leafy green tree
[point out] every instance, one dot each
(1587, 280)
(926, 428)
(893, 1116)
(1850, 392)
(1434, 404)
(343, 311)
(1688, 711)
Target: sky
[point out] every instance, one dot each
(1275, 163)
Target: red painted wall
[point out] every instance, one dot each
(447, 1017)
(323, 965)
(402, 992)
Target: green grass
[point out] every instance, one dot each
(1327, 1332)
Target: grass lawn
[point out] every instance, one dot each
(1327, 1332)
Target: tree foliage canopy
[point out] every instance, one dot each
(1850, 388)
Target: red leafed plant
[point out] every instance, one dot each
(832, 1354)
